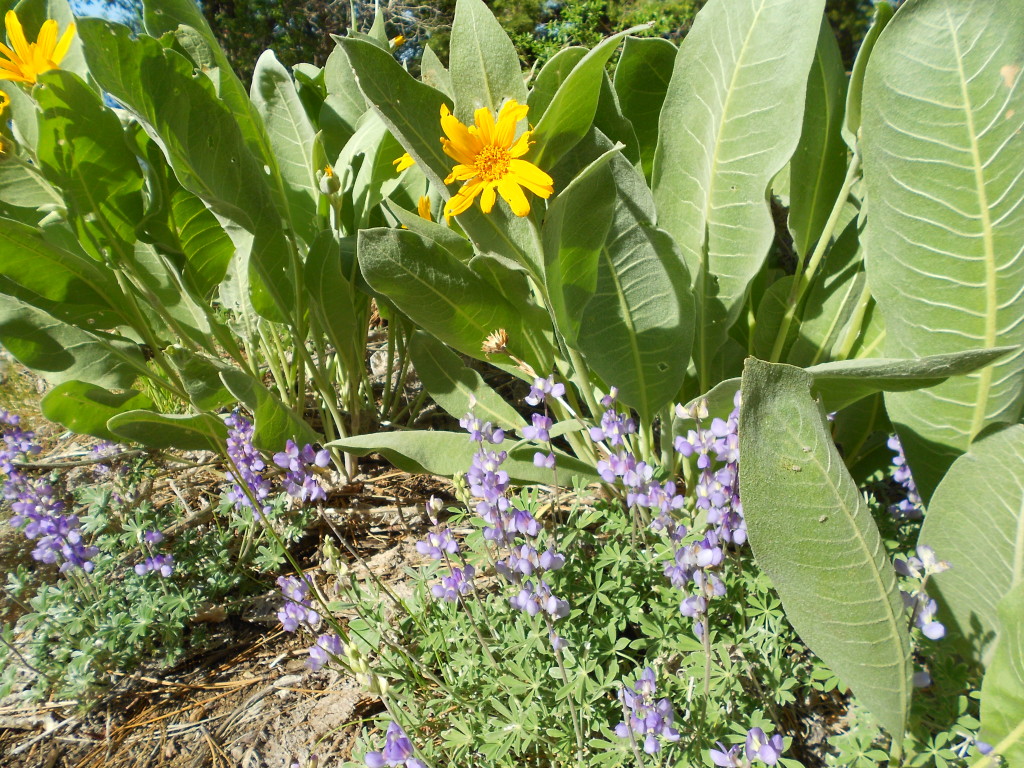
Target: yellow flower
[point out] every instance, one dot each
(5, 101)
(423, 208)
(397, 40)
(488, 157)
(405, 161)
(25, 61)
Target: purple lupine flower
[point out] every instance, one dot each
(436, 545)
(541, 389)
(481, 431)
(923, 610)
(320, 653)
(300, 481)
(162, 564)
(648, 719)
(614, 425)
(760, 747)
(911, 507)
(538, 430)
(544, 460)
(459, 582)
(248, 467)
(297, 608)
(924, 564)
(727, 757)
(153, 537)
(540, 599)
(397, 751)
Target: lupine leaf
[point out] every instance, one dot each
(812, 534)
(730, 122)
(979, 507)
(944, 172)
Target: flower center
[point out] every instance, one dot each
(492, 162)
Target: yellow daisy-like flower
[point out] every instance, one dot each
(405, 161)
(488, 157)
(23, 61)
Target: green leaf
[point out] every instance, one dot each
(340, 310)
(22, 185)
(85, 408)
(207, 247)
(410, 109)
(447, 453)
(571, 112)
(60, 352)
(69, 286)
(438, 292)
(730, 122)
(855, 92)
(344, 104)
(641, 82)
(551, 76)
(770, 312)
(201, 432)
(201, 376)
(979, 507)
(941, 149)
(821, 548)
(434, 73)
(82, 150)
(451, 384)
(575, 231)
(1002, 689)
(291, 136)
(274, 423)
(637, 328)
(484, 64)
(818, 167)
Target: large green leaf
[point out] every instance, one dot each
(730, 122)
(22, 185)
(207, 247)
(82, 150)
(447, 453)
(979, 507)
(410, 109)
(85, 408)
(291, 136)
(60, 352)
(201, 432)
(451, 383)
(484, 64)
(813, 535)
(339, 309)
(944, 171)
(204, 144)
(1002, 690)
(641, 82)
(571, 111)
(344, 104)
(818, 166)
(883, 13)
(637, 328)
(440, 293)
(69, 286)
(551, 76)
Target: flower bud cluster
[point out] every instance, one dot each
(398, 751)
(297, 608)
(249, 465)
(36, 509)
(912, 507)
(646, 718)
(301, 481)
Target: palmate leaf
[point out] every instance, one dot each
(812, 533)
(979, 507)
(730, 122)
(944, 171)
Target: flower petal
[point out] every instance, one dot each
(464, 197)
(461, 154)
(484, 125)
(531, 177)
(522, 145)
(461, 172)
(488, 197)
(513, 195)
(16, 36)
(46, 42)
(65, 43)
(511, 113)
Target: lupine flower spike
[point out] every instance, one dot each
(647, 719)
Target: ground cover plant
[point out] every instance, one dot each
(729, 280)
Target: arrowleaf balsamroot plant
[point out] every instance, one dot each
(736, 557)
